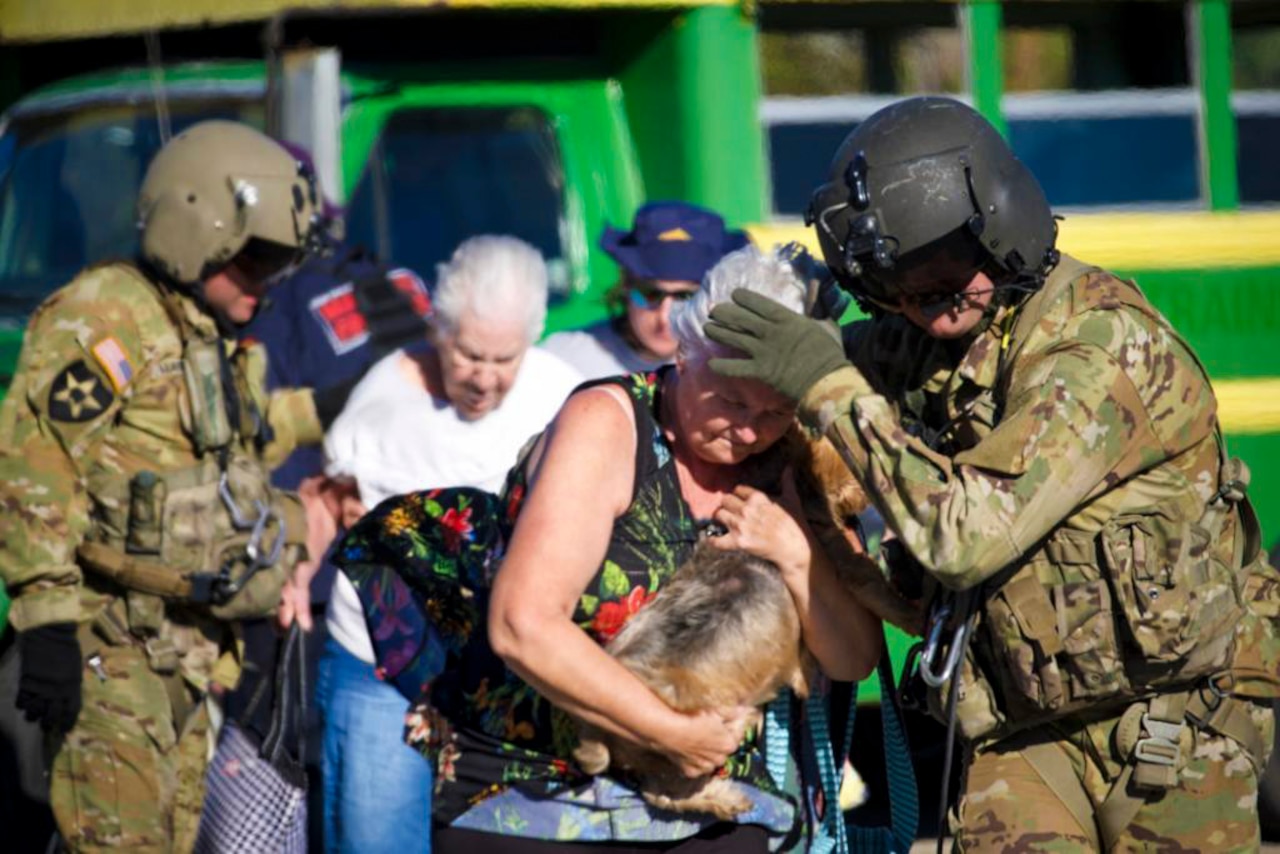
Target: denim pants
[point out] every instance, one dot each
(377, 790)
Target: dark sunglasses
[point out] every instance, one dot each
(649, 295)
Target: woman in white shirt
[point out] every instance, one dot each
(451, 411)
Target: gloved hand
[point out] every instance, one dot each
(785, 350)
(49, 681)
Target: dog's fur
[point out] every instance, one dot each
(830, 497)
(722, 632)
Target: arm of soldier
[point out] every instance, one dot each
(295, 421)
(843, 636)
(559, 543)
(1074, 422)
(77, 365)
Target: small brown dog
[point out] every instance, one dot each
(830, 497)
(722, 632)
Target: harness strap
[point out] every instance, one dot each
(1156, 759)
(1152, 761)
(1227, 716)
(1055, 770)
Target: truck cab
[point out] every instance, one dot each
(444, 124)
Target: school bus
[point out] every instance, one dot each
(550, 118)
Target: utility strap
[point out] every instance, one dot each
(1055, 770)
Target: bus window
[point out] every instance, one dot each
(67, 197)
(1256, 100)
(440, 175)
(825, 67)
(1097, 101)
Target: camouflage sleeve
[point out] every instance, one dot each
(1078, 418)
(291, 412)
(78, 361)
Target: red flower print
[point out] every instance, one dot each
(612, 616)
(514, 501)
(457, 527)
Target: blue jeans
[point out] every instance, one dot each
(377, 790)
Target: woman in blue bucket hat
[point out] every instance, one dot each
(662, 258)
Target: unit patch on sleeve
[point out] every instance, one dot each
(78, 394)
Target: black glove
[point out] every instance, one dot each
(49, 681)
(389, 313)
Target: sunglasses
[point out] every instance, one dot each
(650, 296)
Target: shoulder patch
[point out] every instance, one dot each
(338, 312)
(340, 319)
(114, 361)
(78, 394)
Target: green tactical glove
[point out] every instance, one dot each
(786, 351)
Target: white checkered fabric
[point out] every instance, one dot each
(248, 807)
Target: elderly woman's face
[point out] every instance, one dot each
(479, 362)
(727, 420)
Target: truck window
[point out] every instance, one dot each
(67, 195)
(439, 175)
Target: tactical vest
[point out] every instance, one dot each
(1162, 598)
(213, 534)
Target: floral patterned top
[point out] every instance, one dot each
(422, 564)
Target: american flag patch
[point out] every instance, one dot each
(111, 356)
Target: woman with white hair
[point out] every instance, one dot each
(609, 502)
(451, 411)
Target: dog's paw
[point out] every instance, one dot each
(592, 756)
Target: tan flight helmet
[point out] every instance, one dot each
(216, 187)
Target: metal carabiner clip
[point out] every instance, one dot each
(257, 559)
(955, 648)
(238, 520)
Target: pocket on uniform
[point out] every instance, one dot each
(1178, 598)
(1023, 631)
(106, 788)
(1090, 653)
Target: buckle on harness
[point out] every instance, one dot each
(1162, 746)
(209, 588)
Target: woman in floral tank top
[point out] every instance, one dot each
(591, 524)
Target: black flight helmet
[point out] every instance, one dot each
(918, 171)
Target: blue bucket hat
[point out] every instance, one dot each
(673, 241)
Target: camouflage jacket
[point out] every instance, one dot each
(973, 457)
(1061, 457)
(99, 395)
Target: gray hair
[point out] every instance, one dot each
(766, 273)
(492, 275)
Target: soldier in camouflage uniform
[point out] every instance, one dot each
(138, 519)
(1046, 449)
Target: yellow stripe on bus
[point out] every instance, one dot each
(1184, 240)
(1249, 406)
